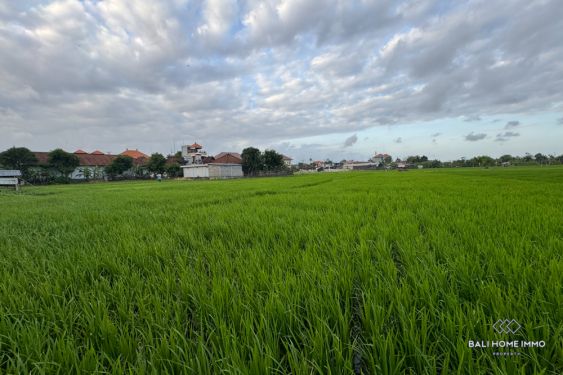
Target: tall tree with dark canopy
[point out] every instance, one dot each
(272, 161)
(63, 161)
(119, 165)
(19, 158)
(251, 161)
(157, 163)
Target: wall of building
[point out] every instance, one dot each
(95, 173)
(196, 171)
(225, 170)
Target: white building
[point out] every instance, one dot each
(359, 165)
(287, 160)
(213, 170)
(380, 158)
(193, 154)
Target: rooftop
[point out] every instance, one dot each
(10, 173)
(135, 154)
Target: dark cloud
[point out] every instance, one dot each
(435, 135)
(503, 137)
(350, 141)
(560, 121)
(398, 140)
(512, 124)
(472, 137)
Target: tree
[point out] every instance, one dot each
(273, 161)
(63, 161)
(87, 173)
(119, 165)
(156, 163)
(174, 170)
(417, 159)
(505, 158)
(434, 164)
(251, 161)
(388, 159)
(19, 158)
(483, 161)
(541, 158)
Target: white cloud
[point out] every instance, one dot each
(244, 72)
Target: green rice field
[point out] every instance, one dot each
(327, 273)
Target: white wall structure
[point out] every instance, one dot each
(224, 170)
(359, 165)
(213, 170)
(196, 171)
(93, 172)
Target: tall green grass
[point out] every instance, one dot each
(376, 272)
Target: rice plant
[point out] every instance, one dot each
(367, 272)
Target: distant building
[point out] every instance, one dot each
(193, 154)
(10, 177)
(287, 160)
(200, 165)
(92, 165)
(380, 158)
(228, 157)
(359, 165)
(213, 170)
(135, 154)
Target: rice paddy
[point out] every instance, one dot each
(368, 272)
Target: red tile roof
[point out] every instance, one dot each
(235, 154)
(97, 152)
(195, 145)
(228, 157)
(84, 159)
(79, 151)
(135, 154)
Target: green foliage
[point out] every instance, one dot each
(272, 161)
(63, 161)
(174, 170)
(541, 158)
(483, 161)
(314, 274)
(417, 159)
(252, 161)
(87, 172)
(156, 163)
(505, 158)
(19, 158)
(119, 165)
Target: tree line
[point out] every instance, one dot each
(257, 163)
(488, 161)
(61, 164)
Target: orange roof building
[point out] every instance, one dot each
(196, 146)
(135, 154)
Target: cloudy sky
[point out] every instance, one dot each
(310, 78)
